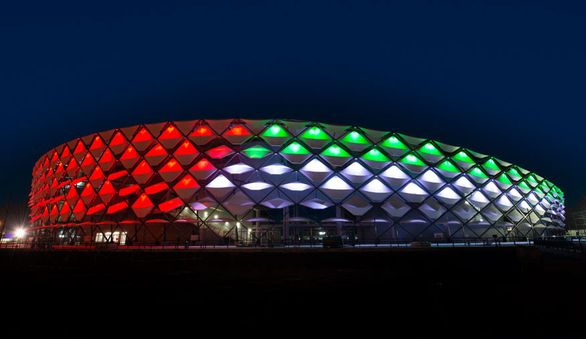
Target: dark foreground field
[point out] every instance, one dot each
(479, 291)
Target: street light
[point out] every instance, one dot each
(20, 233)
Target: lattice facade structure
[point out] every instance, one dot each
(237, 178)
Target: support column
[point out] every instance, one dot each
(285, 236)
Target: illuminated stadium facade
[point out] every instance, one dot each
(275, 181)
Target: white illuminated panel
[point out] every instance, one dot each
(540, 210)
(375, 186)
(394, 172)
(276, 169)
(524, 206)
(448, 196)
(431, 177)
(504, 203)
(238, 169)
(515, 195)
(478, 199)
(220, 187)
(220, 182)
(336, 184)
(316, 204)
(464, 185)
(257, 186)
(336, 188)
(492, 190)
(376, 190)
(395, 177)
(296, 186)
(413, 189)
(316, 170)
(532, 199)
(413, 193)
(356, 173)
(316, 166)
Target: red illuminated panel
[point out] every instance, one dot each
(142, 206)
(73, 168)
(126, 191)
(97, 177)
(72, 196)
(170, 137)
(115, 208)
(202, 131)
(54, 214)
(88, 194)
(88, 164)
(170, 205)
(79, 152)
(142, 140)
(96, 209)
(186, 153)
(220, 152)
(186, 187)
(201, 135)
(54, 159)
(45, 215)
(107, 192)
(97, 147)
(143, 172)
(171, 170)
(79, 210)
(65, 212)
(117, 175)
(118, 143)
(129, 158)
(156, 188)
(237, 130)
(107, 160)
(237, 134)
(60, 171)
(54, 186)
(202, 169)
(65, 155)
(156, 155)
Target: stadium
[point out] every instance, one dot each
(270, 182)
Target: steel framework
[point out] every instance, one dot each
(256, 181)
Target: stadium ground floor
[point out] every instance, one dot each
(184, 233)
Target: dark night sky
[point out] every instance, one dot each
(504, 79)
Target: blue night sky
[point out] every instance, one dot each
(506, 78)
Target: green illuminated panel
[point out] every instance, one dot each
(375, 155)
(275, 131)
(411, 159)
(504, 179)
(463, 157)
(355, 137)
(490, 164)
(315, 133)
(448, 166)
(477, 172)
(524, 185)
(531, 179)
(256, 152)
(295, 148)
(394, 142)
(513, 172)
(430, 149)
(336, 151)
(538, 190)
